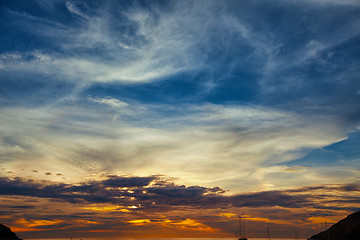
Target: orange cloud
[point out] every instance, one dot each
(107, 209)
(322, 220)
(187, 224)
(22, 229)
(82, 223)
(267, 220)
(190, 224)
(31, 226)
(229, 215)
(100, 231)
(37, 223)
(139, 221)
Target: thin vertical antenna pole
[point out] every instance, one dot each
(268, 233)
(240, 232)
(327, 232)
(296, 235)
(243, 222)
(236, 230)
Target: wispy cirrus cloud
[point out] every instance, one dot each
(109, 101)
(122, 139)
(252, 137)
(159, 44)
(254, 97)
(336, 2)
(146, 60)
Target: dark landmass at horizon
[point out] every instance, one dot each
(7, 234)
(346, 229)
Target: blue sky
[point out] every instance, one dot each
(248, 96)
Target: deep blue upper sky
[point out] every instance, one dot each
(251, 86)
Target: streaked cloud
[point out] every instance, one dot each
(166, 113)
(244, 138)
(155, 197)
(109, 101)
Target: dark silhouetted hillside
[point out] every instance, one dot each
(346, 229)
(7, 234)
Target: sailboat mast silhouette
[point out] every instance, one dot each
(268, 234)
(327, 232)
(296, 235)
(241, 230)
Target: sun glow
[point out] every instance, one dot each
(139, 221)
(228, 215)
(107, 209)
(186, 224)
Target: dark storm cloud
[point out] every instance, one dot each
(271, 198)
(343, 188)
(96, 192)
(173, 191)
(116, 181)
(146, 190)
(22, 207)
(350, 188)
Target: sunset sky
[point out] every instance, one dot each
(171, 118)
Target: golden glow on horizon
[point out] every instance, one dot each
(267, 220)
(86, 222)
(139, 221)
(101, 231)
(187, 224)
(30, 226)
(193, 224)
(36, 223)
(322, 220)
(107, 209)
(228, 215)
(22, 229)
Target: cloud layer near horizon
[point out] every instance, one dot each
(116, 203)
(211, 145)
(144, 192)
